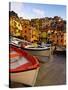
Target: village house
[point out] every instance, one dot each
(15, 26)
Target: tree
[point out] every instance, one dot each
(43, 36)
(12, 13)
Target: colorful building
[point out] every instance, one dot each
(15, 26)
(29, 33)
(58, 38)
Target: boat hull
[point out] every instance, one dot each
(26, 77)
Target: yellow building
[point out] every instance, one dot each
(15, 26)
(35, 34)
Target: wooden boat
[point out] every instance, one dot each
(39, 51)
(23, 66)
(43, 51)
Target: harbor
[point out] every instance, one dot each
(37, 45)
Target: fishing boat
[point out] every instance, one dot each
(36, 50)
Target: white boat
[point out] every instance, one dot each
(19, 42)
(36, 48)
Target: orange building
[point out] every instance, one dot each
(58, 38)
(29, 33)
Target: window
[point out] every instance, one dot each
(57, 41)
(19, 24)
(32, 36)
(14, 23)
(25, 31)
(61, 40)
(25, 26)
(61, 36)
(29, 29)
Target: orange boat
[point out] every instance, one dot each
(23, 66)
